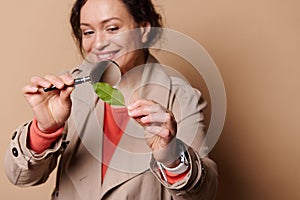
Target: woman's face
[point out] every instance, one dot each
(109, 32)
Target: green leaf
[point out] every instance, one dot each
(109, 94)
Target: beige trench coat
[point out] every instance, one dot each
(129, 176)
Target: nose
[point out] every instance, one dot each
(101, 41)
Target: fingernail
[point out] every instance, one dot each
(60, 85)
(130, 113)
(69, 79)
(144, 119)
(34, 88)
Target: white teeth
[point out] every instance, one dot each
(105, 56)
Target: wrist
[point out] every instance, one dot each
(39, 141)
(169, 156)
(47, 130)
(173, 164)
(180, 166)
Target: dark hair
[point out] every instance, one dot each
(141, 10)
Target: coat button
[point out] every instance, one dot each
(14, 135)
(15, 152)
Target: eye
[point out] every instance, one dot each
(87, 33)
(112, 29)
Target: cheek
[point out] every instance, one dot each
(87, 45)
(135, 42)
(130, 41)
(119, 40)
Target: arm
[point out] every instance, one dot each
(25, 167)
(183, 119)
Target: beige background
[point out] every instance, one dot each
(254, 43)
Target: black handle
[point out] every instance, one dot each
(77, 81)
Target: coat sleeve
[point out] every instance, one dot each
(201, 181)
(23, 166)
(199, 184)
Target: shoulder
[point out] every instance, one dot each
(183, 88)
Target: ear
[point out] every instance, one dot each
(145, 30)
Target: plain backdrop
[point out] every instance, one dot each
(255, 45)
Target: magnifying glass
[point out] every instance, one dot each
(107, 71)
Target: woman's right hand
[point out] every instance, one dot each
(51, 109)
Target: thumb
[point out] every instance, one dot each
(65, 96)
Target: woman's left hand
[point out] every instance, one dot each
(160, 127)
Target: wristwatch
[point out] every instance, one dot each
(181, 168)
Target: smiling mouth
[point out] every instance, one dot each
(107, 55)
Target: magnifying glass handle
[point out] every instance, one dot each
(77, 81)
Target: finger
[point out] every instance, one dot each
(40, 82)
(29, 89)
(146, 109)
(139, 103)
(65, 96)
(157, 117)
(160, 131)
(67, 79)
(138, 112)
(55, 80)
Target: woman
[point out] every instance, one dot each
(100, 145)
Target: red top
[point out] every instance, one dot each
(115, 121)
